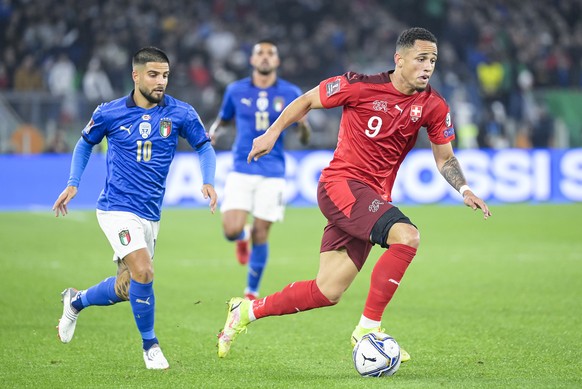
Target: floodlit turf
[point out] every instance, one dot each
(494, 303)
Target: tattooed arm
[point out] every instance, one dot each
(450, 169)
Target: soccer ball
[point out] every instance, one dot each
(376, 355)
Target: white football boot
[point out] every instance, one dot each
(154, 358)
(68, 321)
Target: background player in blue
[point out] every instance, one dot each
(142, 131)
(254, 103)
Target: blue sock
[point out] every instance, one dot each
(143, 303)
(257, 263)
(101, 294)
(147, 344)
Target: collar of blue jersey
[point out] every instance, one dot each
(253, 84)
(130, 102)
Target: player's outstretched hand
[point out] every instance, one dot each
(208, 191)
(60, 206)
(262, 145)
(475, 202)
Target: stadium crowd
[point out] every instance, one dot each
(493, 56)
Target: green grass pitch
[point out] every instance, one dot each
(494, 304)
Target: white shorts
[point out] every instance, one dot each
(127, 232)
(261, 196)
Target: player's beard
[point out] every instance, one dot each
(149, 96)
(265, 70)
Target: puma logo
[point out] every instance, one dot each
(367, 359)
(123, 128)
(140, 301)
(398, 108)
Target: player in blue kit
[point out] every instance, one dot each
(258, 188)
(142, 132)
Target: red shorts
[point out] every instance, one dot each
(352, 209)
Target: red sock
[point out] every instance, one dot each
(296, 297)
(386, 277)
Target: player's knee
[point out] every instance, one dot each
(394, 227)
(405, 234)
(143, 274)
(232, 233)
(146, 276)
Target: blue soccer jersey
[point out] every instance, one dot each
(141, 146)
(254, 110)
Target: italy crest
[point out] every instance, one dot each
(165, 128)
(124, 237)
(278, 103)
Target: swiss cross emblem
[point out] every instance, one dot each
(415, 112)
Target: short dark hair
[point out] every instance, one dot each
(267, 41)
(408, 37)
(149, 54)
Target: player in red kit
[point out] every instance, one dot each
(382, 115)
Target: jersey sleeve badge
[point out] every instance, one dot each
(449, 130)
(332, 87)
(88, 127)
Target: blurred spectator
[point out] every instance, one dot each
(198, 72)
(8, 57)
(27, 76)
(221, 42)
(543, 129)
(96, 85)
(464, 121)
(61, 81)
(559, 64)
(115, 60)
(61, 76)
(490, 74)
(4, 76)
(5, 14)
(492, 133)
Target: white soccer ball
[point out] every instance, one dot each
(376, 355)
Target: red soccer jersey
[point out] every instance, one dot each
(379, 126)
